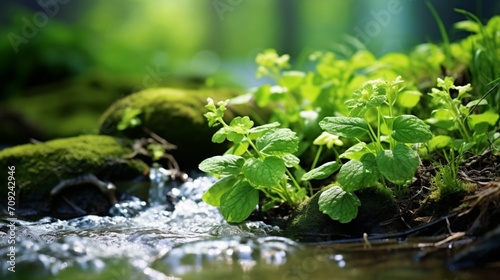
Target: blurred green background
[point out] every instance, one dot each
(63, 62)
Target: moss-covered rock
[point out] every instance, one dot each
(310, 224)
(40, 167)
(177, 116)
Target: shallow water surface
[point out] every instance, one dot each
(192, 241)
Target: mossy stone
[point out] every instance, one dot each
(177, 116)
(310, 224)
(40, 167)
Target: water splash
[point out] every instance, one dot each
(134, 235)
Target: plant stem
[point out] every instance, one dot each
(374, 136)
(261, 156)
(295, 183)
(316, 158)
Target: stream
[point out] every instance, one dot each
(184, 238)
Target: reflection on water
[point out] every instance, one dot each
(194, 242)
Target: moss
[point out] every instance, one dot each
(446, 184)
(310, 224)
(177, 116)
(39, 167)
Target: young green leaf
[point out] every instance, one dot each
(290, 160)
(264, 127)
(220, 135)
(241, 125)
(355, 175)
(438, 142)
(292, 79)
(410, 129)
(267, 172)
(130, 118)
(278, 142)
(339, 204)
(222, 165)
(213, 195)
(409, 98)
(488, 117)
(398, 165)
(344, 126)
(239, 148)
(322, 171)
(239, 202)
(356, 151)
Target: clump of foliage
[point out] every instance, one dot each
(258, 161)
(383, 153)
(455, 115)
(481, 51)
(376, 129)
(446, 182)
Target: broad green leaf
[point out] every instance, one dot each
(356, 151)
(219, 136)
(234, 137)
(409, 98)
(489, 117)
(467, 25)
(438, 142)
(213, 195)
(130, 118)
(278, 142)
(267, 172)
(310, 92)
(292, 79)
(345, 126)
(238, 149)
(239, 202)
(322, 171)
(376, 101)
(410, 129)
(262, 95)
(362, 59)
(444, 124)
(477, 102)
(263, 128)
(290, 160)
(480, 129)
(398, 165)
(397, 60)
(340, 205)
(355, 175)
(222, 165)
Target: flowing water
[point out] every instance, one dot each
(184, 238)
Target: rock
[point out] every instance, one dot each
(309, 224)
(40, 167)
(177, 116)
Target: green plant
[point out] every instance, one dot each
(446, 181)
(304, 98)
(472, 130)
(482, 51)
(154, 146)
(382, 153)
(258, 161)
